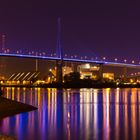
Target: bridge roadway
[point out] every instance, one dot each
(107, 63)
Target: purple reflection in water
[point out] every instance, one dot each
(75, 114)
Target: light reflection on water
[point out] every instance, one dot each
(75, 114)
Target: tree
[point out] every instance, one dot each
(73, 76)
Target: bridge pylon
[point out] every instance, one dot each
(100, 71)
(59, 63)
(124, 73)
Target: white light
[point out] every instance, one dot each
(87, 66)
(133, 61)
(125, 60)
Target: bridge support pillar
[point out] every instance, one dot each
(101, 72)
(59, 71)
(74, 67)
(124, 73)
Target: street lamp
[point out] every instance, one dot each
(66, 55)
(133, 62)
(125, 60)
(104, 58)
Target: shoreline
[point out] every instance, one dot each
(10, 107)
(75, 85)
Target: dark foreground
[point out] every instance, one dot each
(9, 107)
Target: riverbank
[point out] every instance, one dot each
(9, 107)
(79, 84)
(90, 84)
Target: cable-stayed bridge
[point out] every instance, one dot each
(60, 58)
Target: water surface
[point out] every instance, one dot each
(104, 114)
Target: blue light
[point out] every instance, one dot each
(70, 59)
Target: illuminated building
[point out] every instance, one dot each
(109, 76)
(23, 78)
(87, 71)
(52, 75)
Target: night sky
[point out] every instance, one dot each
(97, 28)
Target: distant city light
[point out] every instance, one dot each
(133, 61)
(125, 60)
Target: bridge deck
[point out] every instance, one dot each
(115, 64)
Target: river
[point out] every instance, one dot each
(100, 114)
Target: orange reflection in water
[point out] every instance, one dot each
(75, 114)
(133, 112)
(106, 113)
(117, 114)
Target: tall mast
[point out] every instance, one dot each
(59, 47)
(59, 63)
(3, 42)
